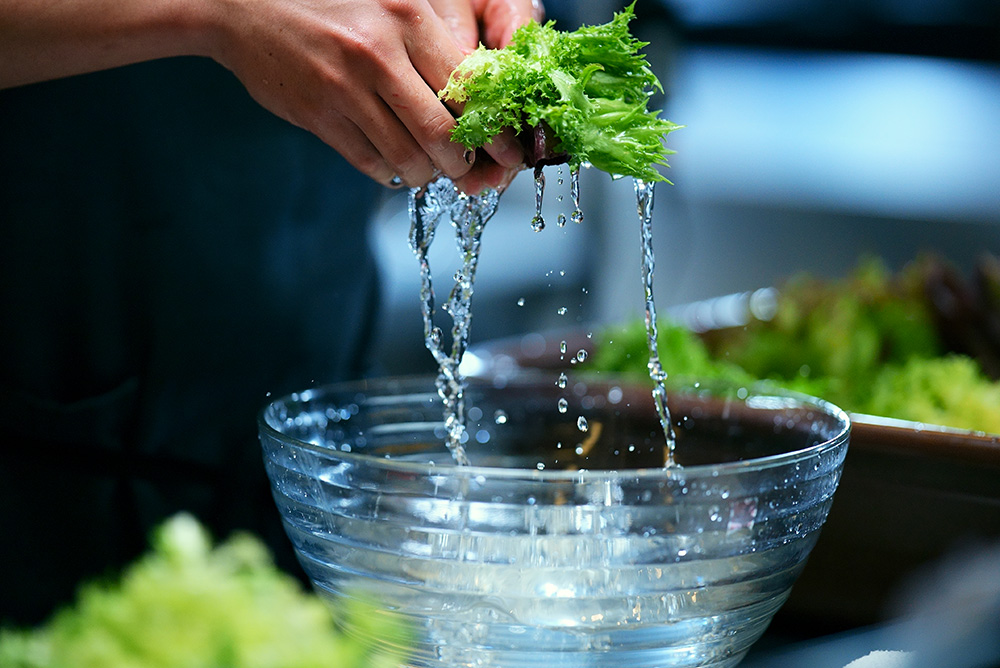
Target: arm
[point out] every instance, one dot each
(49, 39)
(361, 75)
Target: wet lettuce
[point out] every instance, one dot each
(584, 93)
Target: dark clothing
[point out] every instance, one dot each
(171, 253)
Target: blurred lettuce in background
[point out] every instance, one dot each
(872, 342)
(189, 604)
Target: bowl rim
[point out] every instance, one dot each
(583, 475)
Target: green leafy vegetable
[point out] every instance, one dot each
(590, 86)
(949, 390)
(867, 342)
(189, 605)
(687, 359)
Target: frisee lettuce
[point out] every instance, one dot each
(591, 86)
(190, 604)
(866, 342)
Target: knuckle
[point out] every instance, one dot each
(358, 46)
(406, 159)
(437, 126)
(402, 10)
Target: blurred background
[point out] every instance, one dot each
(817, 133)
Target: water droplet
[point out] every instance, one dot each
(579, 449)
(561, 218)
(581, 355)
(537, 224)
(561, 381)
(500, 417)
(562, 404)
(520, 301)
(581, 423)
(562, 310)
(562, 347)
(574, 191)
(540, 466)
(714, 514)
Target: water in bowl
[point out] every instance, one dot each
(557, 547)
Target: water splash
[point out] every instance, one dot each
(538, 223)
(468, 215)
(574, 191)
(644, 205)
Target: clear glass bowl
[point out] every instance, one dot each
(557, 547)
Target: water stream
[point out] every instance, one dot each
(644, 207)
(468, 215)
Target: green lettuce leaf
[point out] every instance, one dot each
(189, 604)
(590, 86)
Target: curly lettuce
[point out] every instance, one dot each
(189, 604)
(867, 342)
(590, 87)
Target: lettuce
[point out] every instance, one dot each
(590, 87)
(867, 342)
(189, 604)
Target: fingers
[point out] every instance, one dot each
(460, 20)
(435, 47)
(344, 136)
(506, 150)
(486, 174)
(500, 18)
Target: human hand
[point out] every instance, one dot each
(363, 75)
(491, 22)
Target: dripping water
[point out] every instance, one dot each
(574, 192)
(468, 215)
(644, 205)
(538, 223)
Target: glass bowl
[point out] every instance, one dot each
(558, 546)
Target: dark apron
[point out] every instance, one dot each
(171, 253)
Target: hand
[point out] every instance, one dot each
(364, 75)
(492, 22)
(498, 19)
(360, 74)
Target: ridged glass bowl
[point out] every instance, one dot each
(557, 546)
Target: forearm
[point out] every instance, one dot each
(48, 39)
